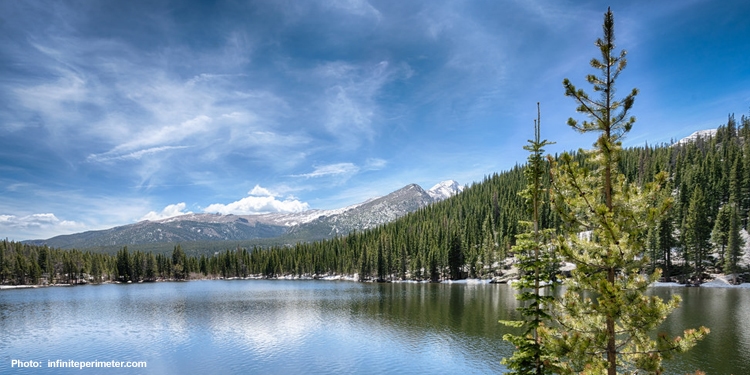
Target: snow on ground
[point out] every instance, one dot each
(745, 261)
(710, 284)
(17, 286)
(468, 281)
(719, 281)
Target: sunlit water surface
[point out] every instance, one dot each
(275, 327)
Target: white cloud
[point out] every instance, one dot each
(129, 107)
(171, 210)
(38, 222)
(337, 169)
(259, 191)
(152, 141)
(374, 164)
(137, 155)
(350, 99)
(259, 201)
(52, 99)
(344, 170)
(356, 7)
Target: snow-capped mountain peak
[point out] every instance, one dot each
(698, 134)
(445, 190)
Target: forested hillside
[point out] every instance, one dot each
(468, 235)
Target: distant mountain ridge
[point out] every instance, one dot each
(303, 226)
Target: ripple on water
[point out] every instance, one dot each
(294, 327)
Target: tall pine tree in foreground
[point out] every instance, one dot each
(605, 317)
(536, 263)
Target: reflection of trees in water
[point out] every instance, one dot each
(726, 312)
(467, 309)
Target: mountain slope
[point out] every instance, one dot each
(193, 227)
(290, 227)
(366, 215)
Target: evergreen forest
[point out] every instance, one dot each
(470, 235)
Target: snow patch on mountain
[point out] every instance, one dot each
(698, 134)
(445, 190)
(304, 217)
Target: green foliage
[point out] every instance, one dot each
(734, 244)
(536, 261)
(180, 268)
(720, 231)
(605, 317)
(697, 231)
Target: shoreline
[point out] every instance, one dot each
(8, 287)
(719, 281)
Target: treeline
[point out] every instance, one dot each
(710, 181)
(24, 264)
(469, 235)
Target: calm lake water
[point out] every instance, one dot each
(275, 327)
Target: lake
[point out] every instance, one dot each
(285, 326)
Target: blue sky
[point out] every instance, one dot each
(117, 111)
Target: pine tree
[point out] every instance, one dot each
(605, 317)
(4, 271)
(533, 252)
(364, 265)
(124, 265)
(697, 230)
(745, 195)
(720, 232)
(179, 263)
(489, 244)
(735, 181)
(665, 240)
(380, 265)
(455, 257)
(734, 245)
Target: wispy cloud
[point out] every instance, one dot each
(124, 106)
(338, 169)
(110, 156)
(350, 99)
(375, 164)
(355, 7)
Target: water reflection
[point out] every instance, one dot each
(315, 327)
(724, 311)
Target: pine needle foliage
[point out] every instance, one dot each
(734, 245)
(604, 319)
(535, 260)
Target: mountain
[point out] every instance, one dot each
(287, 227)
(185, 228)
(697, 134)
(364, 215)
(445, 190)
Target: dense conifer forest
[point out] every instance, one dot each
(469, 235)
